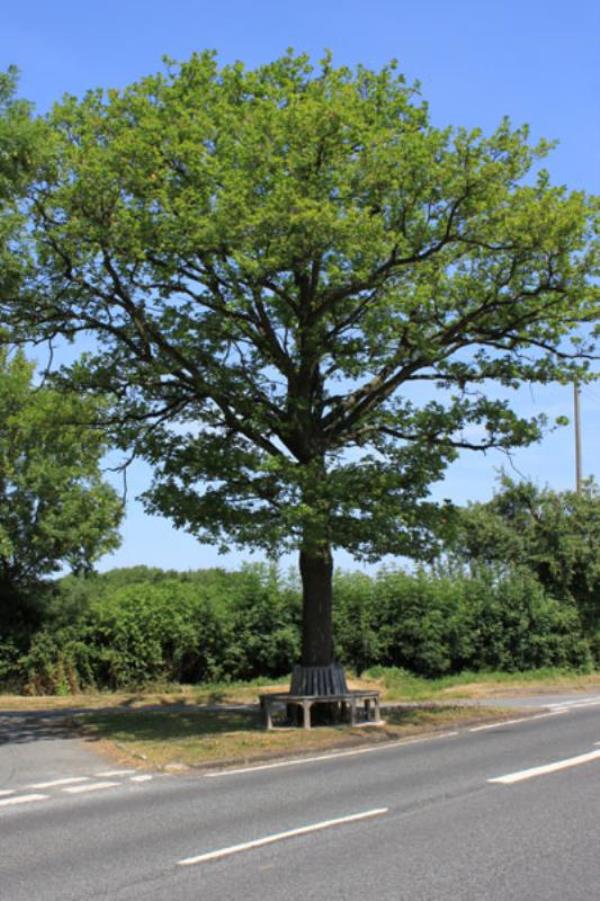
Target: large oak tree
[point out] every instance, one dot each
(301, 291)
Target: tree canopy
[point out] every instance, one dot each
(554, 534)
(55, 510)
(302, 290)
(21, 150)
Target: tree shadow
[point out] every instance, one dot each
(22, 730)
(164, 724)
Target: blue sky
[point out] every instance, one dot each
(534, 61)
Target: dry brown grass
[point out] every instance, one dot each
(404, 688)
(201, 738)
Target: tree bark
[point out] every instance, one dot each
(316, 570)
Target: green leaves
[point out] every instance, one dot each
(55, 510)
(555, 535)
(296, 280)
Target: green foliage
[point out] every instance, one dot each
(271, 260)
(55, 510)
(23, 146)
(140, 627)
(10, 668)
(263, 618)
(135, 627)
(431, 625)
(554, 535)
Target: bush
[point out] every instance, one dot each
(433, 625)
(131, 628)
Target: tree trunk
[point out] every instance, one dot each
(316, 570)
(317, 674)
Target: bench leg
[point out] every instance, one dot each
(306, 705)
(266, 708)
(353, 712)
(377, 712)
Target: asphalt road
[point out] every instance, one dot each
(429, 824)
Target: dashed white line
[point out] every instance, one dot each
(576, 704)
(519, 776)
(55, 782)
(90, 787)
(6, 791)
(144, 777)
(280, 836)
(22, 799)
(296, 761)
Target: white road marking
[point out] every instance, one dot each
(6, 791)
(579, 704)
(66, 781)
(144, 777)
(91, 787)
(519, 776)
(280, 836)
(22, 799)
(296, 761)
(574, 704)
(108, 773)
(522, 719)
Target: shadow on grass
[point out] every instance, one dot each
(163, 725)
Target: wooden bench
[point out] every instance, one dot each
(348, 702)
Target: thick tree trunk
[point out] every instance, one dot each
(316, 570)
(317, 674)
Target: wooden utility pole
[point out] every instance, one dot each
(577, 423)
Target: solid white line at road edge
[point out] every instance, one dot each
(280, 836)
(333, 755)
(522, 719)
(511, 778)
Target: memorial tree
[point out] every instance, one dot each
(302, 292)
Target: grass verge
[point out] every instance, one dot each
(202, 738)
(394, 685)
(400, 685)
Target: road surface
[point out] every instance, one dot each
(483, 814)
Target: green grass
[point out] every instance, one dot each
(157, 694)
(394, 684)
(196, 738)
(400, 685)
(180, 730)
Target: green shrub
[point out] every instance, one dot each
(263, 618)
(130, 628)
(432, 625)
